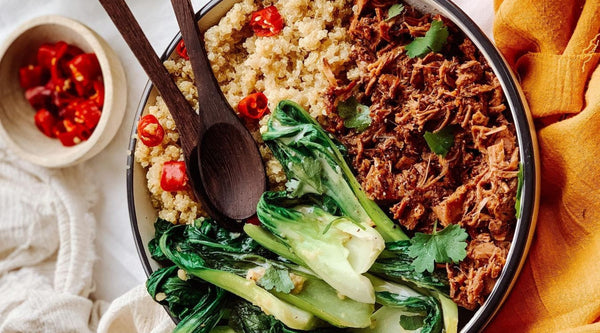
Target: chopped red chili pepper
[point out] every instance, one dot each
(266, 22)
(182, 50)
(84, 67)
(39, 97)
(46, 54)
(62, 99)
(98, 95)
(73, 134)
(45, 122)
(253, 220)
(150, 131)
(66, 88)
(87, 113)
(85, 88)
(32, 76)
(253, 106)
(173, 177)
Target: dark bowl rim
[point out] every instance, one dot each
(525, 225)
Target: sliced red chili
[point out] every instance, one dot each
(83, 89)
(72, 51)
(69, 138)
(98, 95)
(73, 133)
(84, 67)
(66, 88)
(253, 220)
(32, 76)
(266, 22)
(150, 131)
(173, 177)
(39, 97)
(59, 81)
(253, 106)
(62, 98)
(182, 50)
(86, 113)
(45, 122)
(46, 54)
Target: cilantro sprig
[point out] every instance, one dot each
(448, 245)
(433, 41)
(278, 279)
(441, 141)
(355, 115)
(395, 10)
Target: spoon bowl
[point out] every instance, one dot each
(232, 187)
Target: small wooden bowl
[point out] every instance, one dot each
(17, 127)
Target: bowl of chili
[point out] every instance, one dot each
(63, 92)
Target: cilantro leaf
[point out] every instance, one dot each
(519, 190)
(448, 245)
(277, 278)
(433, 41)
(395, 10)
(355, 115)
(441, 141)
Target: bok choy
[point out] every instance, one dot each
(292, 294)
(314, 163)
(336, 248)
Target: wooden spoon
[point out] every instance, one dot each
(223, 162)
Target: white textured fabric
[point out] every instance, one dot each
(47, 254)
(46, 248)
(136, 312)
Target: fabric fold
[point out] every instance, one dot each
(136, 311)
(46, 248)
(553, 46)
(557, 81)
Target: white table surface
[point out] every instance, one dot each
(118, 267)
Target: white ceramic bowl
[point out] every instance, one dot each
(17, 127)
(143, 215)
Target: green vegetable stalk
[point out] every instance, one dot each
(314, 164)
(337, 249)
(247, 318)
(198, 305)
(293, 295)
(404, 308)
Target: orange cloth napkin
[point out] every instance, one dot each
(553, 45)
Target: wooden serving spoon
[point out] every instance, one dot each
(222, 160)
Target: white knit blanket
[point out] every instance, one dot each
(47, 254)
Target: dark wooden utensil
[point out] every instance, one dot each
(223, 162)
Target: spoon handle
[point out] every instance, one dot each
(186, 119)
(214, 108)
